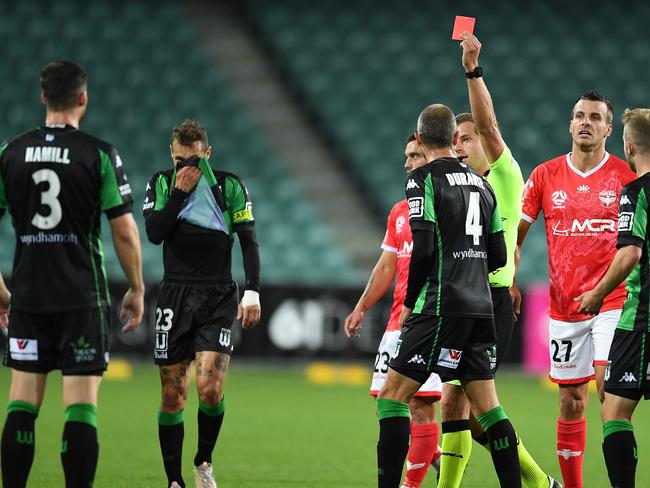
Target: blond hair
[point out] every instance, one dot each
(636, 127)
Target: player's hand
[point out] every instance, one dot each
(249, 316)
(515, 294)
(471, 49)
(590, 302)
(353, 322)
(132, 308)
(5, 300)
(187, 178)
(404, 315)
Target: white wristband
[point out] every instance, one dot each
(250, 298)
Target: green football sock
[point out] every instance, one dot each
(456, 449)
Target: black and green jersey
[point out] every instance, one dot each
(55, 182)
(197, 228)
(459, 207)
(633, 231)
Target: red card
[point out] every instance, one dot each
(462, 24)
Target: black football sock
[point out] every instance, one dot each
(393, 445)
(170, 434)
(503, 446)
(619, 448)
(79, 447)
(18, 441)
(210, 418)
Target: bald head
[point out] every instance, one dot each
(436, 126)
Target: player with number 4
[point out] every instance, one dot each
(578, 193)
(195, 212)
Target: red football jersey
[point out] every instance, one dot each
(581, 215)
(398, 239)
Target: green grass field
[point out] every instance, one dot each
(282, 430)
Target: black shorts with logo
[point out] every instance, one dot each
(193, 317)
(627, 368)
(461, 348)
(76, 341)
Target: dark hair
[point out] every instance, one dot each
(188, 132)
(436, 126)
(594, 96)
(61, 83)
(410, 138)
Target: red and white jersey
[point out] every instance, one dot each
(398, 239)
(581, 214)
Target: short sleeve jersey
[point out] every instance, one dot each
(458, 207)
(508, 184)
(633, 231)
(55, 182)
(580, 213)
(398, 240)
(201, 243)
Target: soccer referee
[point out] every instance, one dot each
(55, 181)
(195, 211)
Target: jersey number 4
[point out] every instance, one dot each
(48, 198)
(473, 221)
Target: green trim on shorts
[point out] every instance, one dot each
(81, 412)
(453, 383)
(213, 410)
(391, 408)
(488, 419)
(612, 426)
(166, 418)
(22, 406)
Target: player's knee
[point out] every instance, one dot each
(210, 393)
(421, 412)
(572, 407)
(173, 398)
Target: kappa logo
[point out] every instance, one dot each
(583, 189)
(627, 378)
(410, 184)
(568, 454)
(417, 359)
(607, 197)
(559, 198)
(625, 200)
(625, 220)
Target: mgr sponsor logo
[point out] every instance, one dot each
(416, 207)
(406, 251)
(587, 227)
(23, 349)
(625, 220)
(449, 358)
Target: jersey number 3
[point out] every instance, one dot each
(48, 198)
(473, 221)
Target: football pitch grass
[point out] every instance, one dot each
(281, 429)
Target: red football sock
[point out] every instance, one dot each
(424, 442)
(571, 443)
